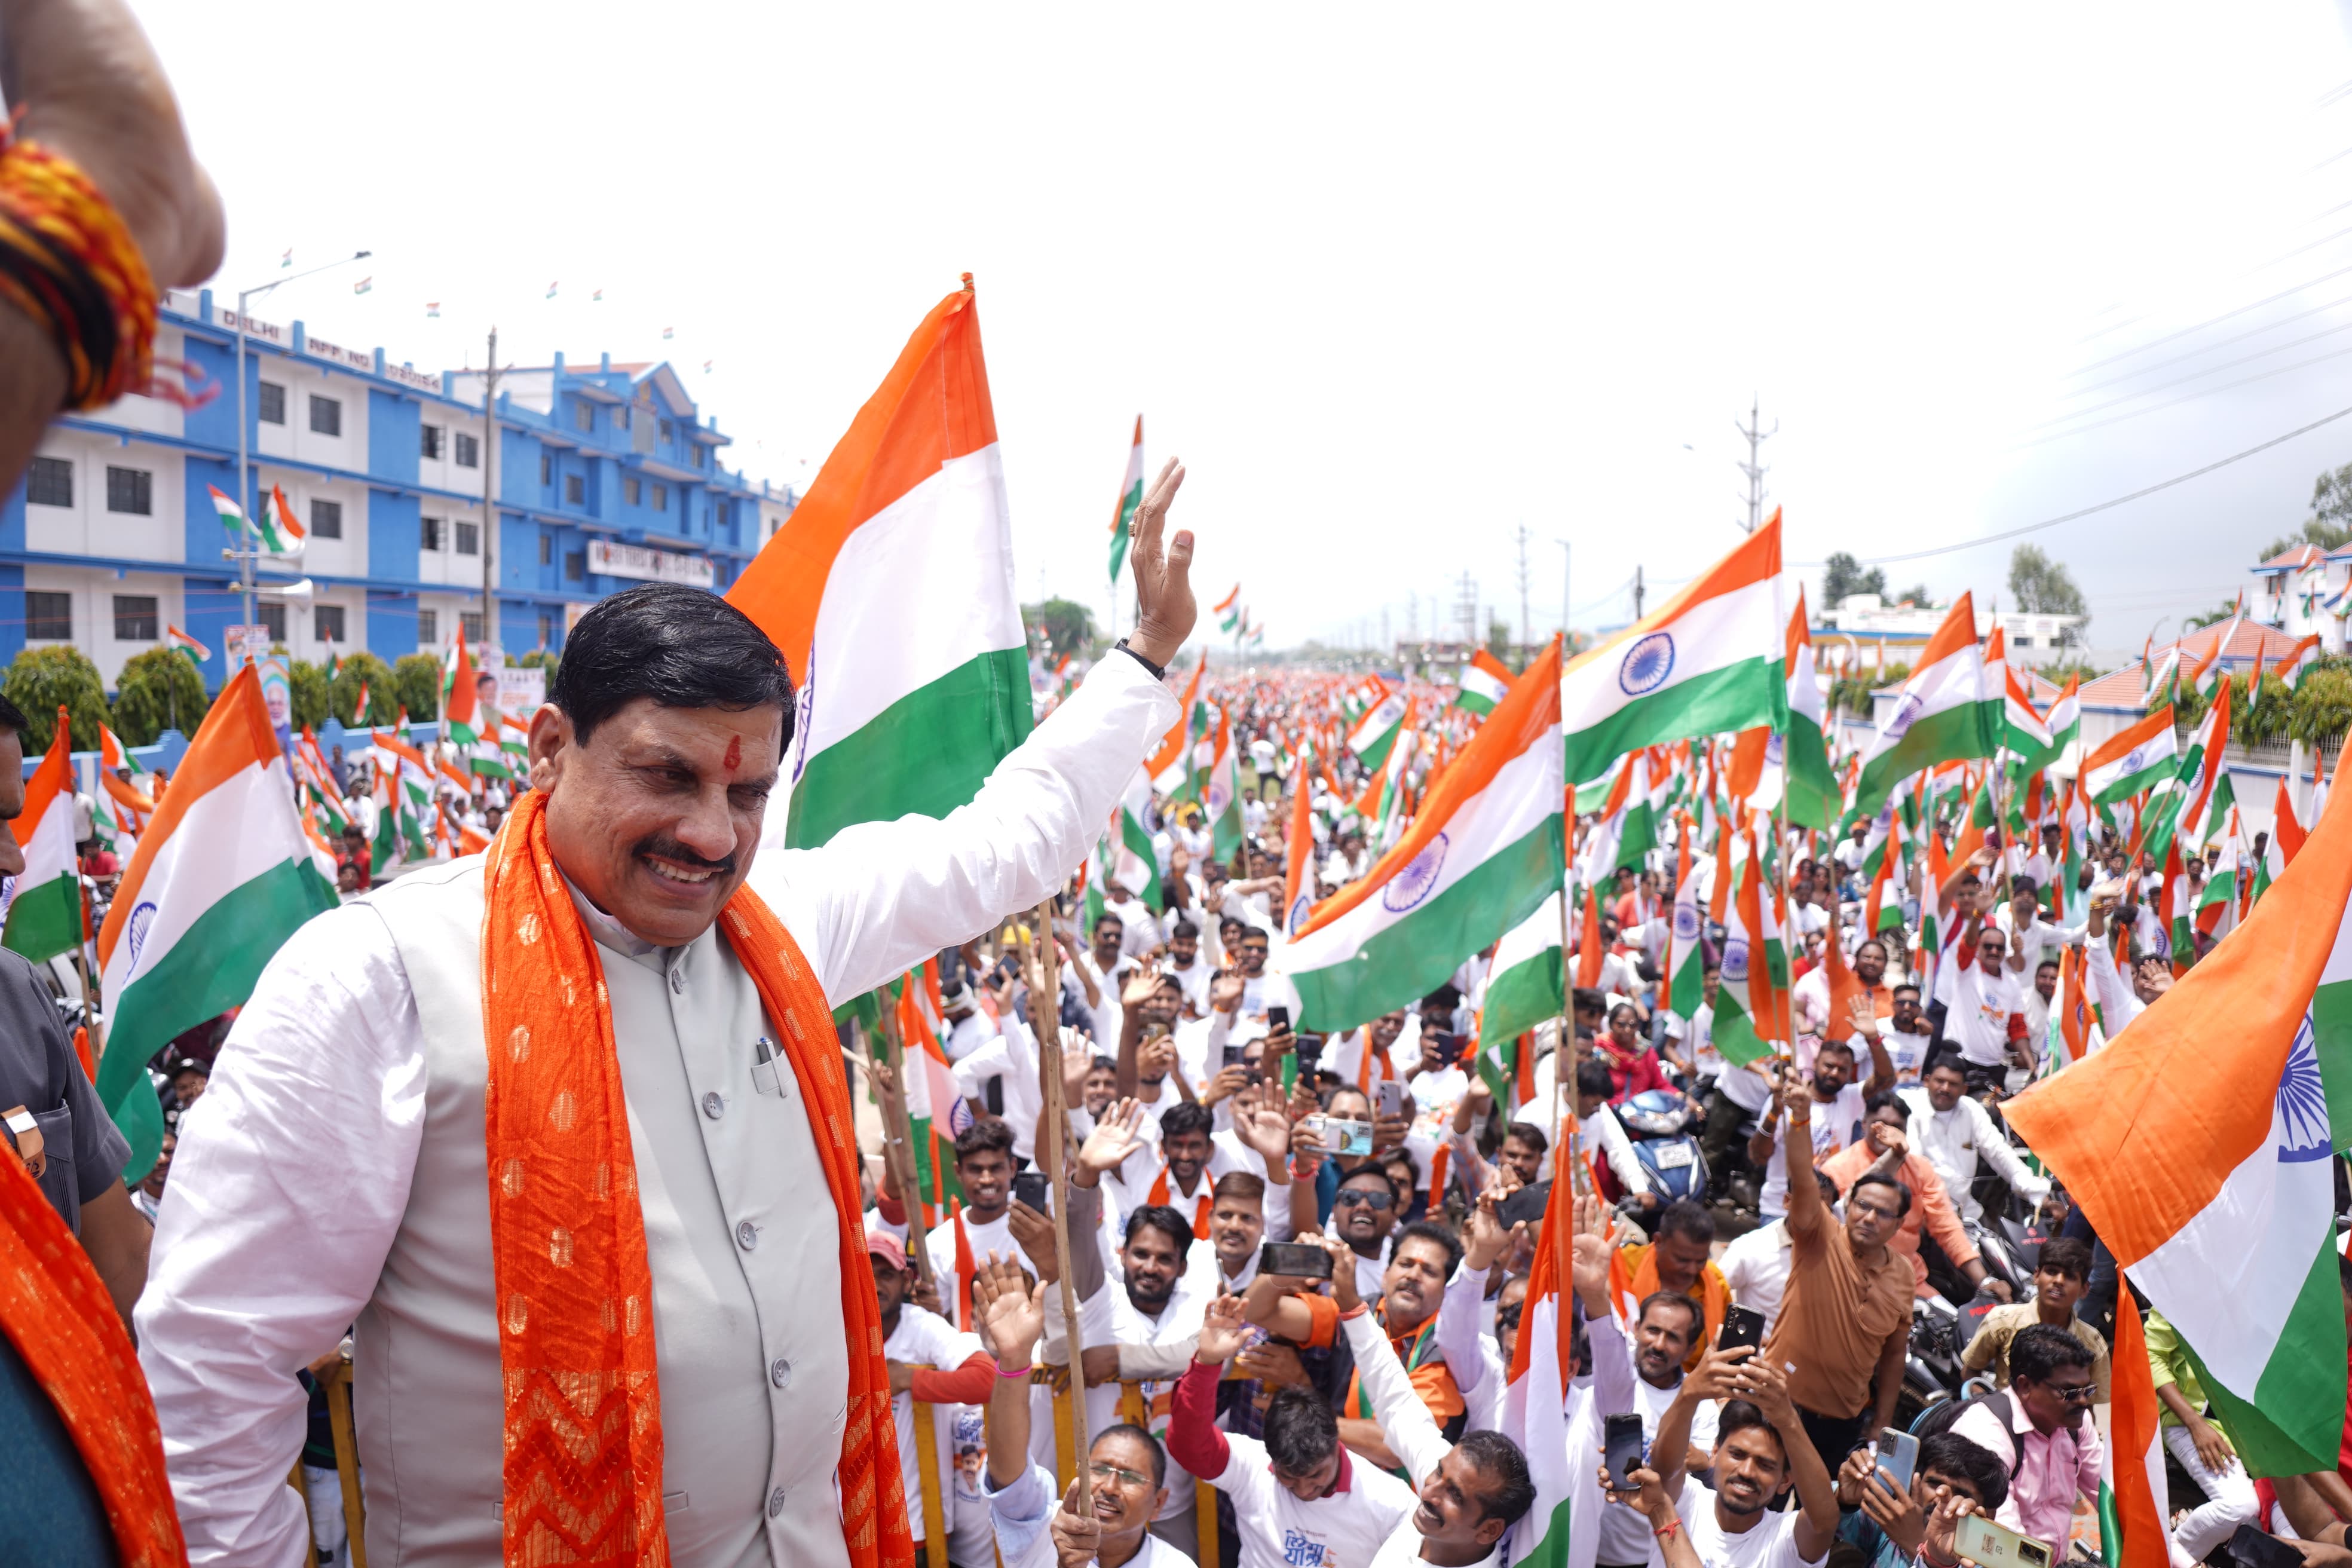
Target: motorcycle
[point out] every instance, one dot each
(1658, 1122)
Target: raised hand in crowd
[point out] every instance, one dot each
(1008, 1311)
(1142, 982)
(1077, 1534)
(1119, 1134)
(1225, 1327)
(1260, 1125)
(1484, 1236)
(1649, 1495)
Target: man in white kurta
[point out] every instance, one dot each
(336, 1176)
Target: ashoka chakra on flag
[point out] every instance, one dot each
(1647, 663)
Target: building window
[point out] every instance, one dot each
(583, 414)
(50, 482)
(429, 441)
(325, 519)
(469, 538)
(661, 498)
(326, 416)
(134, 617)
(575, 566)
(575, 490)
(132, 490)
(48, 616)
(470, 451)
(469, 623)
(546, 469)
(620, 420)
(428, 533)
(631, 492)
(546, 548)
(273, 403)
(701, 456)
(428, 628)
(329, 621)
(273, 620)
(668, 431)
(546, 629)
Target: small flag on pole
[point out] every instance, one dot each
(285, 261)
(364, 284)
(432, 309)
(668, 333)
(594, 295)
(550, 290)
(706, 366)
(174, 638)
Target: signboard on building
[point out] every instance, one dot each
(649, 565)
(521, 690)
(319, 348)
(248, 642)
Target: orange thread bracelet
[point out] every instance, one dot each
(68, 261)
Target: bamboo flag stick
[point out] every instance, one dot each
(1044, 1019)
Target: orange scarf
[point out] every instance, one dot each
(575, 1292)
(1633, 1280)
(56, 1313)
(1160, 1192)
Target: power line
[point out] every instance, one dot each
(2206, 349)
(2213, 322)
(2103, 506)
(2196, 374)
(2185, 397)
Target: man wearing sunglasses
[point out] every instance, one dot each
(2049, 1443)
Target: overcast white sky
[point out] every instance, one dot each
(1392, 281)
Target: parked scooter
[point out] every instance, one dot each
(1659, 1124)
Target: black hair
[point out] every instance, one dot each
(2039, 1350)
(1687, 1219)
(1624, 1007)
(1372, 1168)
(987, 1132)
(1674, 1299)
(1592, 1078)
(1497, 1458)
(1135, 1434)
(1185, 928)
(1739, 1416)
(1887, 1100)
(2066, 1256)
(1881, 946)
(1239, 1185)
(13, 717)
(1955, 1456)
(1444, 996)
(2022, 884)
(1333, 1092)
(1945, 1056)
(1877, 1179)
(1845, 1045)
(1528, 1133)
(1910, 986)
(1186, 1116)
(1108, 918)
(1436, 1235)
(1301, 1432)
(1585, 999)
(1160, 1218)
(681, 647)
(1105, 1064)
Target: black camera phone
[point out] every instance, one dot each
(1034, 1188)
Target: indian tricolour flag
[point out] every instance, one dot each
(1130, 496)
(934, 1111)
(1811, 788)
(1484, 681)
(1709, 660)
(2193, 785)
(1523, 988)
(1377, 731)
(890, 591)
(1556, 1424)
(2063, 726)
(2199, 1146)
(222, 877)
(1483, 852)
(1134, 864)
(173, 638)
(2132, 760)
(1944, 713)
(45, 914)
(1744, 1012)
(1223, 795)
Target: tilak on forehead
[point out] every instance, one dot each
(734, 752)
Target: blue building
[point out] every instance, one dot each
(606, 475)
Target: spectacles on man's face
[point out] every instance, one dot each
(1364, 1197)
(1128, 1479)
(2076, 1393)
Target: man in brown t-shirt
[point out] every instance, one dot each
(1847, 1314)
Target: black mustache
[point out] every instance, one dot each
(671, 849)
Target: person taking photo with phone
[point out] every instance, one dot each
(1896, 1526)
(1761, 1449)
(2047, 1441)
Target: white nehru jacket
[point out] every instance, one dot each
(334, 1173)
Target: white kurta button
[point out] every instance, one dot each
(747, 1234)
(776, 1503)
(780, 1373)
(714, 1105)
(678, 981)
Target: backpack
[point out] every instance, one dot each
(1939, 1416)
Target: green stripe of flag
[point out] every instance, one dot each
(926, 754)
(1737, 697)
(45, 921)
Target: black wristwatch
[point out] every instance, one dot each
(1159, 672)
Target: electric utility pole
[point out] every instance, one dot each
(1467, 606)
(1525, 628)
(1752, 467)
(1637, 593)
(490, 485)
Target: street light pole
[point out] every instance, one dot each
(1566, 558)
(246, 557)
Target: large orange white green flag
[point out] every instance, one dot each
(1811, 788)
(1556, 1420)
(2199, 1146)
(1483, 850)
(45, 914)
(890, 590)
(1484, 681)
(1945, 713)
(1708, 661)
(222, 877)
(1130, 497)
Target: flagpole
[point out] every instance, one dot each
(1045, 1022)
(898, 1146)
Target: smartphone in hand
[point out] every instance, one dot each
(1741, 1326)
(1034, 1188)
(1620, 1448)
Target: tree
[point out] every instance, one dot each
(1069, 626)
(158, 690)
(1843, 577)
(43, 680)
(358, 670)
(2042, 587)
(1498, 640)
(2330, 523)
(417, 685)
(307, 683)
(2224, 612)
(1916, 594)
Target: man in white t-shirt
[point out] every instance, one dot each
(1140, 927)
(930, 1362)
(1756, 1268)
(1760, 1450)
(1669, 1323)
(1984, 999)
(1300, 1499)
(1839, 1106)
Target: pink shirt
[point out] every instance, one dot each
(2058, 1468)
